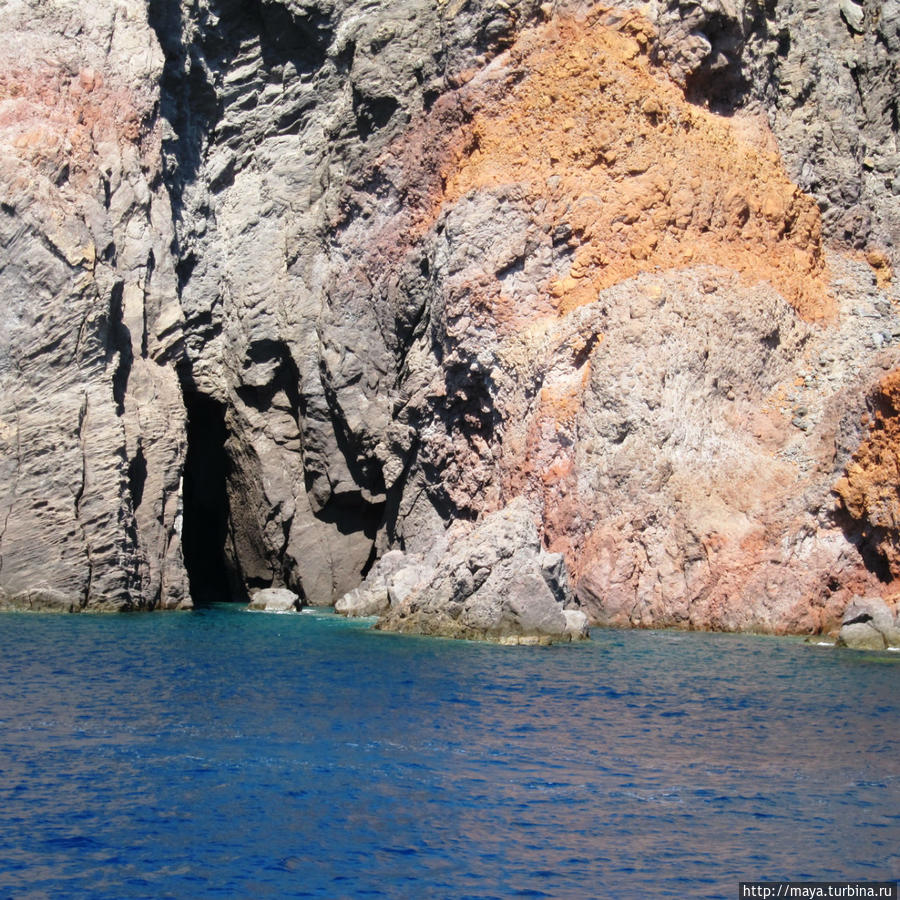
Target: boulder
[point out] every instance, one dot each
(861, 636)
(869, 624)
(494, 583)
(363, 601)
(406, 580)
(576, 624)
(275, 600)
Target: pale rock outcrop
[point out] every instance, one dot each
(393, 577)
(92, 430)
(493, 583)
(869, 624)
(275, 600)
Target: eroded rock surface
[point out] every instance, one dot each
(868, 492)
(308, 295)
(92, 431)
(275, 600)
(494, 582)
(870, 623)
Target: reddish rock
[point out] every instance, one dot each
(869, 491)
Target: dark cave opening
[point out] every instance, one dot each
(205, 525)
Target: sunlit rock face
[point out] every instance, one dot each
(92, 432)
(286, 286)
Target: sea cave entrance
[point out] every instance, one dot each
(205, 526)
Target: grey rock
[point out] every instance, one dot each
(37, 600)
(275, 600)
(861, 636)
(406, 580)
(490, 585)
(92, 430)
(577, 624)
(853, 14)
(373, 596)
(363, 601)
(869, 624)
(556, 574)
(237, 139)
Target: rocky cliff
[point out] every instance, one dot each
(287, 285)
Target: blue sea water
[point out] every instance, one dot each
(222, 753)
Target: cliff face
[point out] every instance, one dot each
(91, 419)
(286, 285)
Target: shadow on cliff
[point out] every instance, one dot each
(205, 530)
(191, 90)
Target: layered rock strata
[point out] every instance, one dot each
(295, 293)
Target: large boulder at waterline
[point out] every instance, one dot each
(275, 600)
(493, 583)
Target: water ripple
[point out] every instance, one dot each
(216, 754)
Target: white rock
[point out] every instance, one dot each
(275, 600)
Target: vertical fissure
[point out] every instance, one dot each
(205, 534)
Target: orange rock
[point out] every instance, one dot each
(601, 122)
(868, 491)
(878, 260)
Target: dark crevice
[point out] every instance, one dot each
(184, 268)
(118, 341)
(372, 113)
(867, 539)
(205, 529)
(285, 378)
(515, 267)
(137, 477)
(193, 100)
(582, 355)
(772, 340)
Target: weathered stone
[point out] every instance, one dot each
(861, 636)
(363, 601)
(37, 600)
(406, 580)
(577, 624)
(869, 624)
(91, 419)
(286, 287)
(490, 585)
(275, 600)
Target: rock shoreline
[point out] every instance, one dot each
(491, 581)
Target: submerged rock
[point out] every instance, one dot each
(275, 600)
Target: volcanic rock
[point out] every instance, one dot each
(494, 583)
(289, 287)
(869, 624)
(275, 600)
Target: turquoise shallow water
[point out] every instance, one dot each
(222, 753)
